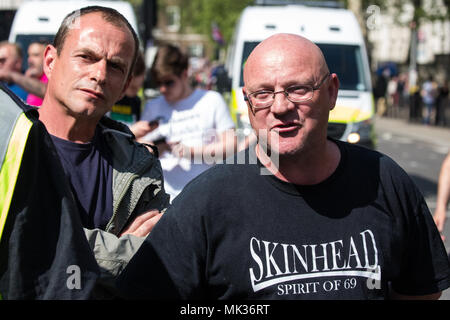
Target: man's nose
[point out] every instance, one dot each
(281, 103)
(99, 70)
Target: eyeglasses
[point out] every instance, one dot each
(297, 93)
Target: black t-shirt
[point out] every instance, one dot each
(235, 233)
(89, 170)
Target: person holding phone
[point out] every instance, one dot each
(191, 127)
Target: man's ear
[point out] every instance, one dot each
(50, 55)
(250, 109)
(333, 89)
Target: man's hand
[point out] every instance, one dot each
(180, 150)
(29, 84)
(141, 128)
(142, 225)
(439, 218)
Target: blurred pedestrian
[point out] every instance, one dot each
(428, 93)
(392, 97)
(11, 62)
(128, 109)
(415, 104)
(401, 82)
(402, 93)
(380, 93)
(36, 71)
(442, 104)
(194, 125)
(34, 81)
(221, 82)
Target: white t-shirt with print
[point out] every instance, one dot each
(193, 121)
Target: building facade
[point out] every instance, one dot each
(390, 35)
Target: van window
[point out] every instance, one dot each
(344, 60)
(248, 48)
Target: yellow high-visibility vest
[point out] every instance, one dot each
(14, 130)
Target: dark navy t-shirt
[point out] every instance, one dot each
(88, 167)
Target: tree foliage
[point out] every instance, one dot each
(200, 14)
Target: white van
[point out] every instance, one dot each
(337, 33)
(39, 20)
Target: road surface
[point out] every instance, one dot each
(419, 150)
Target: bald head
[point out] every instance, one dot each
(287, 50)
(279, 63)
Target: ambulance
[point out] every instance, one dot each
(337, 33)
(39, 20)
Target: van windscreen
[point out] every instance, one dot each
(248, 48)
(24, 40)
(344, 60)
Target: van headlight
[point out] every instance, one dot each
(360, 131)
(354, 137)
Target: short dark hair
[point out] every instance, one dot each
(42, 42)
(110, 15)
(169, 60)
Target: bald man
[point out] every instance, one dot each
(298, 215)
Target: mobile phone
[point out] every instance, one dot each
(159, 141)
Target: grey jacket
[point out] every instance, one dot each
(137, 187)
